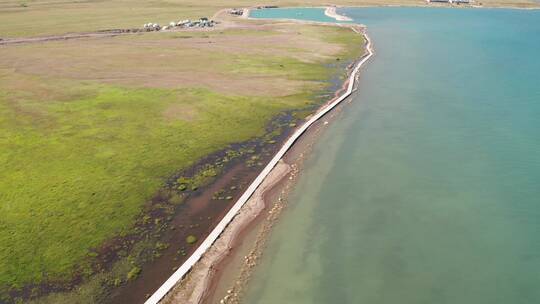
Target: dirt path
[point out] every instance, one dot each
(109, 33)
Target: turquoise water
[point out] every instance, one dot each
(310, 14)
(427, 189)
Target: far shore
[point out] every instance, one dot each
(330, 11)
(533, 6)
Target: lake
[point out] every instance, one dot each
(426, 189)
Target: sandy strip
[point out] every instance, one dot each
(331, 12)
(245, 13)
(228, 218)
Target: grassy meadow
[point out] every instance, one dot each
(90, 129)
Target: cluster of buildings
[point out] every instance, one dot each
(202, 22)
(151, 27)
(237, 11)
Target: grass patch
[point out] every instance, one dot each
(201, 178)
(80, 156)
(281, 67)
(133, 273)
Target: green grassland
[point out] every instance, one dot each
(80, 156)
(80, 173)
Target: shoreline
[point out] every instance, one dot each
(229, 219)
(250, 229)
(232, 273)
(194, 287)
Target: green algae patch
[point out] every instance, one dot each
(133, 273)
(203, 177)
(191, 239)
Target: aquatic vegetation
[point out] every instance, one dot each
(191, 239)
(133, 273)
(201, 178)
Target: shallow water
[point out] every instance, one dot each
(428, 188)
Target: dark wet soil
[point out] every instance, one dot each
(199, 215)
